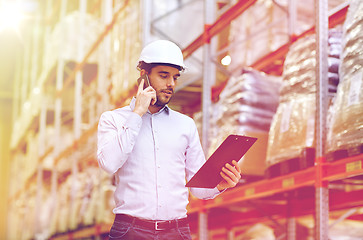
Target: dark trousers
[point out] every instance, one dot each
(134, 229)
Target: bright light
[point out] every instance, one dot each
(26, 105)
(10, 15)
(226, 60)
(36, 90)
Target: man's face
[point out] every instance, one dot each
(163, 80)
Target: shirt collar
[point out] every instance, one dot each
(165, 108)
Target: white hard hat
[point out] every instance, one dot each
(162, 51)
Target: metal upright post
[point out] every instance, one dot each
(42, 122)
(291, 220)
(146, 21)
(208, 79)
(209, 74)
(35, 54)
(77, 114)
(57, 109)
(79, 75)
(321, 187)
(104, 59)
(292, 18)
(38, 197)
(41, 151)
(25, 77)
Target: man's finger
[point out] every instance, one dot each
(233, 169)
(235, 163)
(141, 86)
(231, 174)
(153, 99)
(228, 179)
(152, 94)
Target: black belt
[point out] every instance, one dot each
(151, 224)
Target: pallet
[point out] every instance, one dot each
(344, 153)
(304, 160)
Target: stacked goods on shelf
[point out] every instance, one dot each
(71, 39)
(258, 30)
(28, 213)
(291, 143)
(246, 107)
(263, 28)
(104, 200)
(61, 213)
(345, 129)
(44, 214)
(82, 195)
(17, 166)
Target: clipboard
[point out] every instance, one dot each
(232, 148)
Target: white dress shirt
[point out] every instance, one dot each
(151, 157)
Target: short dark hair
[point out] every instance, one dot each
(148, 66)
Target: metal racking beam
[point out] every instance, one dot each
(213, 29)
(225, 218)
(340, 169)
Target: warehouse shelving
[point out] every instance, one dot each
(317, 176)
(267, 190)
(97, 230)
(332, 171)
(45, 78)
(68, 77)
(274, 196)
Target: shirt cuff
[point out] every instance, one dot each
(219, 192)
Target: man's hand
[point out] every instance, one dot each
(144, 98)
(231, 176)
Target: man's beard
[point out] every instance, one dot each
(161, 103)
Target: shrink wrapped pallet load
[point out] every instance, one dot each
(53, 220)
(76, 199)
(104, 200)
(292, 130)
(345, 134)
(90, 197)
(291, 143)
(63, 204)
(30, 214)
(43, 219)
(246, 107)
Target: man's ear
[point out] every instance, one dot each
(142, 72)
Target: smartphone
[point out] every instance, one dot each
(146, 80)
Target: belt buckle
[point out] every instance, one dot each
(157, 226)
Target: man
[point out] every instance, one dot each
(152, 150)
